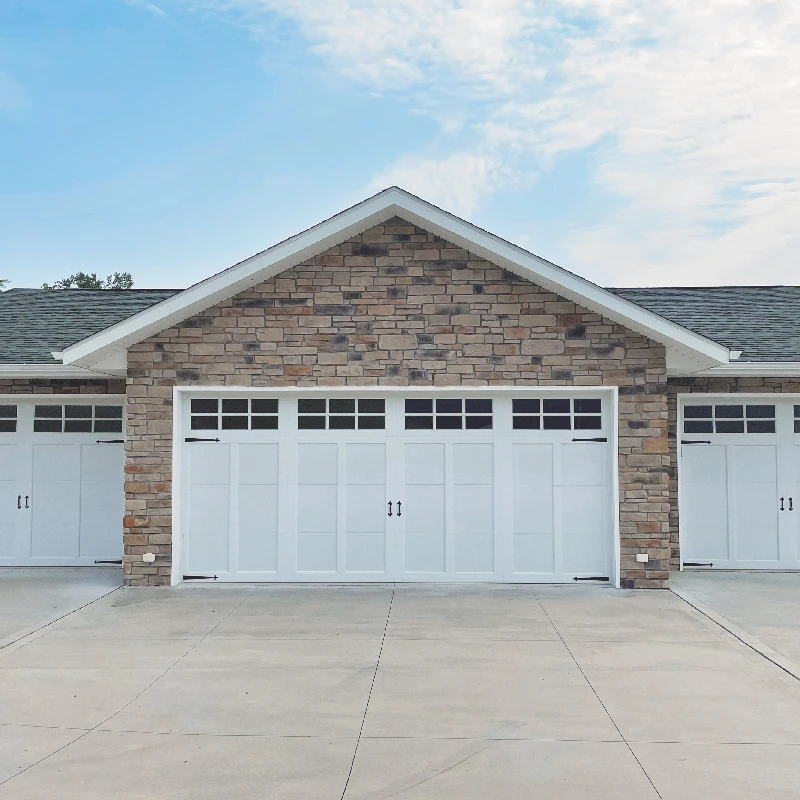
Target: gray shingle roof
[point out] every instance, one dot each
(34, 322)
(761, 321)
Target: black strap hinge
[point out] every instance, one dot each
(593, 578)
(110, 441)
(695, 441)
(111, 561)
(595, 439)
(198, 439)
(199, 577)
(697, 564)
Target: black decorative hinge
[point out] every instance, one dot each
(199, 577)
(695, 441)
(697, 564)
(110, 441)
(197, 439)
(595, 439)
(593, 578)
(112, 561)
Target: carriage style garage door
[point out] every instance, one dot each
(61, 481)
(739, 482)
(342, 486)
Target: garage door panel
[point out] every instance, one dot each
(704, 464)
(366, 509)
(366, 552)
(316, 552)
(704, 521)
(209, 553)
(425, 553)
(473, 553)
(756, 522)
(258, 553)
(473, 464)
(582, 464)
(582, 553)
(209, 464)
(533, 509)
(755, 464)
(55, 519)
(102, 510)
(423, 510)
(533, 552)
(56, 462)
(366, 463)
(317, 463)
(8, 500)
(258, 509)
(473, 509)
(258, 464)
(582, 510)
(99, 461)
(532, 464)
(424, 464)
(317, 508)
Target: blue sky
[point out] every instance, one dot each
(173, 138)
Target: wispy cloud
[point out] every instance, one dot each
(693, 111)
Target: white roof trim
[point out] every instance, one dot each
(56, 371)
(373, 211)
(753, 369)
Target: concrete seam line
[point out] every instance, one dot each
(789, 667)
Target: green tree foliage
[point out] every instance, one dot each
(3, 282)
(83, 280)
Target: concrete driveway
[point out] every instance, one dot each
(392, 692)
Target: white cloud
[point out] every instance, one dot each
(693, 109)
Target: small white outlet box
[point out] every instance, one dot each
(642, 558)
(149, 558)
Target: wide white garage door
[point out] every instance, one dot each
(454, 487)
(738, 482)
(61, 481)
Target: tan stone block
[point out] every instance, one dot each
(540, 347)
(397, 342)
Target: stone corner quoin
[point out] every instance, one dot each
(397, 306)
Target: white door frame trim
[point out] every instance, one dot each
(181, 392)
(681, 399)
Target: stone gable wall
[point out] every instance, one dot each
(676, 386)
(397, 306)
(61, 386)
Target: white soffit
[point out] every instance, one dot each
(107, 345)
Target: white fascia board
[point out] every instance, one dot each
(753, 369)
(373, 211)
(55, 371)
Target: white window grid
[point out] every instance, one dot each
(750, 420)
(360, 411)
(464, 414)
(223, 412)
(8, 418)
(571, 414)
(102, 423)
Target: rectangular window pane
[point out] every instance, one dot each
(697, 412)
(200, 423)
(478, 423)
(341, 406)
(371, 406)
(262, 406)
(47, 411)
(728, 412)
(341, 423)
(587, 406)
(730, 426)
(311, 423)
(311, 406)
(78, 412)
(526, 406)
(588, 423)
(8, 411)
(419, 423)
(761, 426)
(448, 423)
(47, 426)
(527, 423)
(698, 426)
(264, 423)
(556, 406)
(234, 423)
(78, 426)
(237, 406)
(556, 423)
(372, 423)
(108, 412)
(108, 426)
(797, 426)
(761, 412)
(10, 425)
(204, 406)
(448, 406)
(478, 406)
(797, 411)
(416, 406)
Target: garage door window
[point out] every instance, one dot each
(797, 419)
(341, 414)
(77, 419)
(234, 414)
(448, 414)
(557, 414)
(8, 419)
(726, 418)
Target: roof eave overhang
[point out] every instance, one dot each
(55, 371)
(111, 343)
(753, 369)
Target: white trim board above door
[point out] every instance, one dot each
(515, 485)
(738, 481)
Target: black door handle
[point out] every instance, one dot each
(790, 504)
(399, 504)
(26, 501)
(390, 508)
(19, 501)
(782, 508)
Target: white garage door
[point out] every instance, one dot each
(738, 482)
(456, 487)
(61, 481)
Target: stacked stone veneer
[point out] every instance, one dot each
(397, 306)
(676, 386)
(54, 386)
